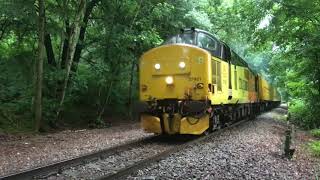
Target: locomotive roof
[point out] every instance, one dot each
(235, 58)
(238, 60)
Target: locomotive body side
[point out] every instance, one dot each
(253, 89)
(264, 90)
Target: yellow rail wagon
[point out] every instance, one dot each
(194, 83)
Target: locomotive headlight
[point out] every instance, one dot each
(157, 66)
(182, 65)
(169, 80)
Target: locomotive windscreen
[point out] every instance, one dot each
(185, 38)
(200, 39)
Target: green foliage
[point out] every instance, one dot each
(15, 88)
(278, 39)
(315, 132)
(300, 114)
(315, 148)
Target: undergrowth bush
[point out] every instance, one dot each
(315, 148)
(315, 132)
(304, 114)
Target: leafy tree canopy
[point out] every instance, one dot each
(279, 39)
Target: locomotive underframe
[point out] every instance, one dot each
(172, 116)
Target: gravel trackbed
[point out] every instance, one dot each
(23, 153)
(251, 151)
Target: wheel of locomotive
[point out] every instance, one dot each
(245, 112)
(234, 115)
(217, 122)
(251, 114)
(214, 123)
(211, 122)
(248, 112)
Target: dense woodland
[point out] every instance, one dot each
(71, 63)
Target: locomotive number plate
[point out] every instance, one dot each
(194, 78)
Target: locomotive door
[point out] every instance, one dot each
(226, 56)
(216, 76)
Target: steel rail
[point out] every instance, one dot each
(144, 163)
(47, 170)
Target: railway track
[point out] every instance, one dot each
(58, 167)
(114, 163)
(121, 174)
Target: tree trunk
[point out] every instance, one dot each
(132, 68)
(114, 73)
(80, 44)
(65, 47)
(73, 40)
(39, 67)
(49, 50)
(130, 90)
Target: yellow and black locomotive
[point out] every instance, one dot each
(194, 83)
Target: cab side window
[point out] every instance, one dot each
(226, 53)
(206, 42)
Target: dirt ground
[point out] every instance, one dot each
(22, 152)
